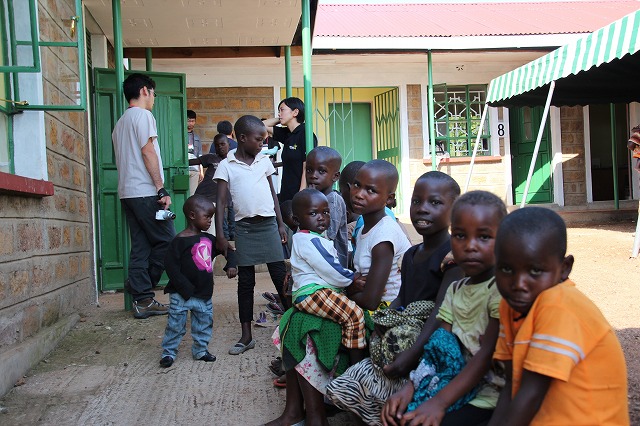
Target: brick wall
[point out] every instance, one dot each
(488, 176)
(46, 253)
(573, 167)
(214, 104)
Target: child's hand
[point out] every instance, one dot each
(401, 366)
(222, 245)
(232, 272)
(358, 284)
(396, 405)
(283, 234)
(429, 413)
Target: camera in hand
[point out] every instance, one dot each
(165, 215)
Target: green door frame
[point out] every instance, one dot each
(170, 112)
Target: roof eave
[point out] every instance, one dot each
(443, 43)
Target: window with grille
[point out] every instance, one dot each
(42, 68)
(457, 116)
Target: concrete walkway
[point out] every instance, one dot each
(105, 372)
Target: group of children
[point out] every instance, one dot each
(511, 341)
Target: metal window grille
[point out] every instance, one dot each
(457, 116)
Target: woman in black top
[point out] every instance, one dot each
(294, 151)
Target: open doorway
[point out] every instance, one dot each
(602, 153)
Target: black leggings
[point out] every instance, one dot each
(468, 415)
(247, 284)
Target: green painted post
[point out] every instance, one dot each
(306, 70)
(148, 65)
(119, 60)
(287, 71)
(119, 106)
(431, 120)
(614, 157)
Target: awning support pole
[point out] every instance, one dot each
(614, 156)
(431, 121)
(543, 123)
(306, 69)
(119, 109)
(475, 148)
(287, 71)
(118, 56)
(148, 59)
(636, 240)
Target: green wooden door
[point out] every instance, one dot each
(350, 131)
(524, 124)
(170, 112)
(387, 133)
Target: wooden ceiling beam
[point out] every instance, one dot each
(211, 52)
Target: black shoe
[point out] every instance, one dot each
(166, 362)
(207, 357)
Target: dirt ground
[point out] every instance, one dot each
(105, 372)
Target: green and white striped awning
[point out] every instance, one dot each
(601, 67)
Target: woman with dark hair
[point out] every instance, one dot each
(294, 153)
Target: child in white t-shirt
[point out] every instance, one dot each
(260, 232)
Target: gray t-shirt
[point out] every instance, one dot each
(338, 226)
(131, 133)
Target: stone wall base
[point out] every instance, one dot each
(15, 362)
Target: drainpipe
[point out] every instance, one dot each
(614, 157)
(431, 120)
(306, 71)
(119, 109)
(148, 59)
(287, 71)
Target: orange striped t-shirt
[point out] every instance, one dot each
(565, 336)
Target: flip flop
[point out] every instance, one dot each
(275, 308)
(277, 383)
(239, 348)
(271, 297)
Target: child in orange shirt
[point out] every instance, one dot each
(564, 363)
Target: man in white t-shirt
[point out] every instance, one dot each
(142, 193)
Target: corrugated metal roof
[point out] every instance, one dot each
(467, 19)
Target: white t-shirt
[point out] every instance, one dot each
(248, 184)
(131, 133)
(385, 230)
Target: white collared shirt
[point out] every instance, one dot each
(248, 184)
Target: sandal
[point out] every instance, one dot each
(239, 348)
(276, 368)
(271, 297)
(277, 362)
(280, 382)
(275, 308)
